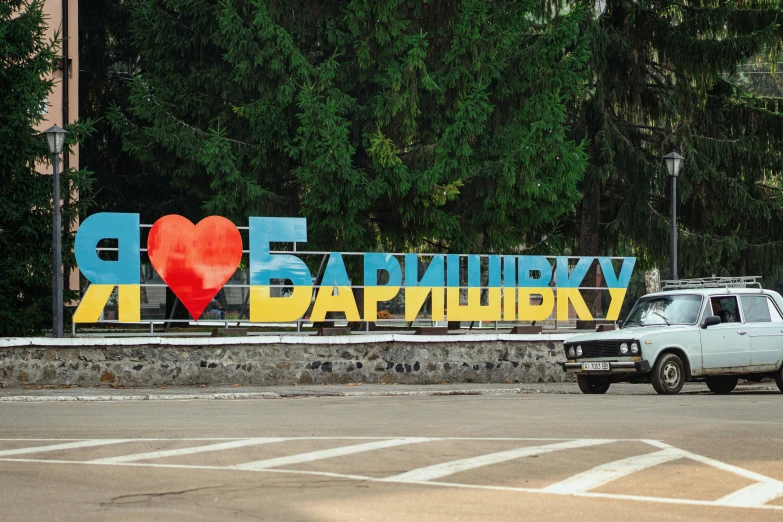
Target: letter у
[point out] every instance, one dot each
(618, 285)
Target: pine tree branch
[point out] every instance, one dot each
(198, 131)
(441, 246)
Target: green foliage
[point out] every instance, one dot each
(387, 123)
(107, 62)
(27, 59)
(660, 82)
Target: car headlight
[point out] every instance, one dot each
(571, 352)
(634, 348)
(623, 348)
(579, 350)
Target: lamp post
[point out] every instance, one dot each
(673, 164)
(55, 137)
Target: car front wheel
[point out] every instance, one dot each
(722, 384)
(668, 375)
(592, 385)
(779, 379)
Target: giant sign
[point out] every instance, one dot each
(195, 261)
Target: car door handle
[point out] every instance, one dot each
(742, 332)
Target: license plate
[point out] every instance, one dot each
(600, 366)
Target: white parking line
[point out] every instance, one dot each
(636, 498)
(66, 446)
(189, 451)
(445, 469)
(329, 453)
(754, 495)
(742, 472)
(605, 473)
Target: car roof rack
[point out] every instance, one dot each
(713, 282)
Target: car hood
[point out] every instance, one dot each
(624, 334)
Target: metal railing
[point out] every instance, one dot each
(713, 282)
(164, 317)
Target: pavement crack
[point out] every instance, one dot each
(123, 499)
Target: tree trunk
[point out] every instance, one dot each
(589, 239)
(652, 281)
(358, 296)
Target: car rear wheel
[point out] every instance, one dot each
(592, 385)
(722, 384)
(779, 379)
(668, 375)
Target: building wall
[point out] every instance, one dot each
(53, 9)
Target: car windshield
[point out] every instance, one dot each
(664, 310)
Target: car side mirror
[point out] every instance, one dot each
(711, 320)
(620, 323)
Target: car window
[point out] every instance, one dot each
(755, 308)
(665, 310)
(773, 312)
(726, 308)
(706, 310)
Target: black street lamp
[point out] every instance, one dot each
(673, 164)
(55, 137)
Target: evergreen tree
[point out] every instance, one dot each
(108, 61)
(660, 72)
(386, 123)
(27, 62)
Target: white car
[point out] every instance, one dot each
(716, 330)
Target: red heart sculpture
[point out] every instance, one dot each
(195, 261)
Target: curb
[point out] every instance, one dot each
(265, 395)
(316, 394)
(104, 398)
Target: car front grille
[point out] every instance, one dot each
(597, 348)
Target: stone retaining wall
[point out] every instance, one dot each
(388, 358)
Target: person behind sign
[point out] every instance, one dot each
(215, 309)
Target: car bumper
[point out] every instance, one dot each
(614, 367)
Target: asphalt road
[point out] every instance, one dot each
(487, 457)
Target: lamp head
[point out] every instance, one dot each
(673, 163)
(55, 137)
